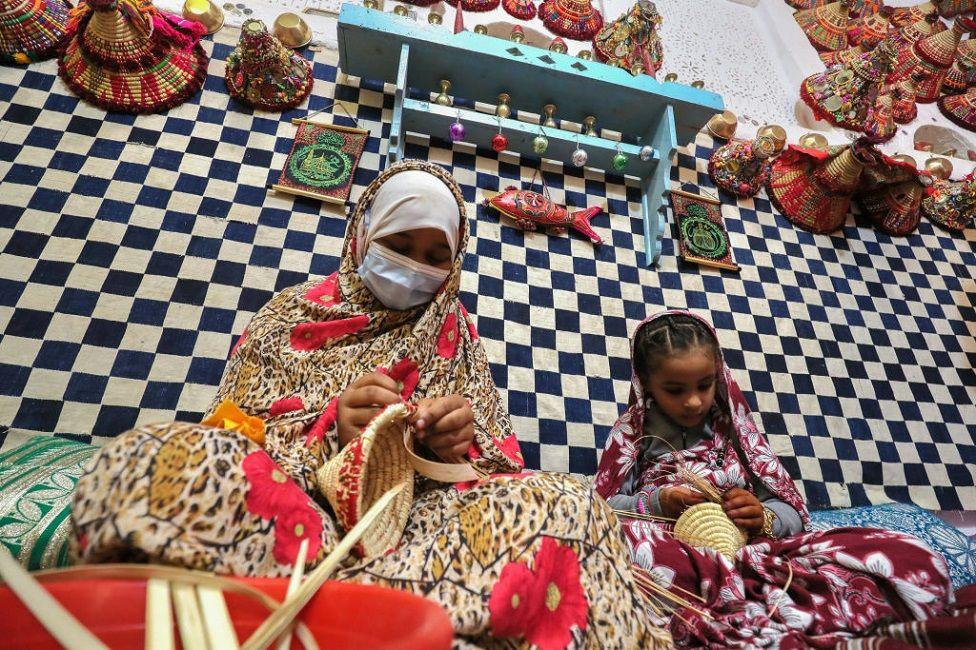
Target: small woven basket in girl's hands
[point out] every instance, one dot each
(706, 524)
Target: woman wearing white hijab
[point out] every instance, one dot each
(517, 559)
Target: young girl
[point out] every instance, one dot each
(786, 587)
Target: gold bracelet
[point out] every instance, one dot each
(768, 518)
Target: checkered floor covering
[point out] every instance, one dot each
(134, 251)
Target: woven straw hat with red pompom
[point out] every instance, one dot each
(127, 56)
(31, 30)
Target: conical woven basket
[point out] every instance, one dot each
(962, 70)
(825, 26)
(575, 19)
(894, 209)
(263, 73)
(31, 30)
(961, 109)
(707, 525)
(118, 61)
(363, 471)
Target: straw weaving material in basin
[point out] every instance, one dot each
(706, 524)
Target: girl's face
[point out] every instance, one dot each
(423, 245)
(683, 386)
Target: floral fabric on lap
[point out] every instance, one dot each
(958, 549)
(36, 483)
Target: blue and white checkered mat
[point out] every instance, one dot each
(134, 250)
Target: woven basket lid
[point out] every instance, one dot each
(825, 26)
(894, 209)
(957, 79)
(961, 109)
(476, 6)
(117, 59)
(521, 9)
(31, 30)
(867, 31)
(940, 49)
(907, 15)
(574, 19)
(841, 57)
(263, 73)
(707, 525)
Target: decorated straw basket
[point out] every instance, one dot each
(706, 524)
(380, 458)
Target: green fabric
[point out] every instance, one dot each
(36, 483)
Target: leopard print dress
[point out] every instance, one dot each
(520, 559)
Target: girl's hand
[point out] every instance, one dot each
(361, 402)
(675, 500)
(445, 425)
(744, 509)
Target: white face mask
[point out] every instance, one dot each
(398, 281)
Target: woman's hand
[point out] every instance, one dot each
(445, 425)
(361, 402)
(744, 509)
(675, 500)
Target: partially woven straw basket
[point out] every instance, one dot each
(363, 471)
(706, 524)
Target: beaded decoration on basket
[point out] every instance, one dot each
(891, 195)
(575, 19)
(127, 56)
(31, 30)
(904, 109)
(263, 73)
(843, 95)
(950, 8)
(951, 204)
(631, 39)
(707, 525)
(961, 109)
(476, 6)
(813, 189)
(825, 26)
(742, 168)
(521, 9)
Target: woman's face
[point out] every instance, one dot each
(422, 245)
(683, 386)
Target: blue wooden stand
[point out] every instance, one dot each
(380, 46)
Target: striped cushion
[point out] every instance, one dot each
(36, 483)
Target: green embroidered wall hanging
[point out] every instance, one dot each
(322, 161)
(702, 237)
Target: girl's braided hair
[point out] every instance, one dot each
(667, 336)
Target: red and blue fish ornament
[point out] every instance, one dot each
(530, 210)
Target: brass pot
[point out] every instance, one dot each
(292, 30)
(204, 12)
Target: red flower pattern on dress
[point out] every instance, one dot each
(541, 605)
(312, 336)
(406, 374)
(325, 292)
(286, 405)
(510, 447)
(270, 491)
(324, 422)
(239, 343)
(293, 526)
(447, 342)
(472, 330)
